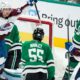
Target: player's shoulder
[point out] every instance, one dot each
(26, 42)
(45, 44)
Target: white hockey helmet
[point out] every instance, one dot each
(4, 5)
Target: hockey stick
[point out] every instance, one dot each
(37, 12)
(67, 24)
(68, 40)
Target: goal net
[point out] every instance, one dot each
(27, 24)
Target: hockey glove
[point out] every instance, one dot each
(75, 51)
(31, 2)
(68, 45)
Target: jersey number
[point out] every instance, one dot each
(36, 54)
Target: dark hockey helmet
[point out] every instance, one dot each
(38, 34)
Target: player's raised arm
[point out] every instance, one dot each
(14, 11)
(18, 11)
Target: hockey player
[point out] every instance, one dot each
(12, 40)
(37, 58)
(7, 12)
(74, 49)
(4, 31)
(13, 47)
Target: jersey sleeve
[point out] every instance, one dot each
(18, 11)
(12, 40)
(16, 38)
(50, 64)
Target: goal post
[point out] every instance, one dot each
(45, 24)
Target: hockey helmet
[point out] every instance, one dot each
(5, 5)
(38, 34)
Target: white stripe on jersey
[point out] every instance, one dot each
(34, 71)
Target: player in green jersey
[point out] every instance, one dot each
(37, 58)
(74, 49)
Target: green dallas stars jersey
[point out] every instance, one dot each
(74, 60)
(37, 57)
(13, 38)
(14, 49)
(76, 37)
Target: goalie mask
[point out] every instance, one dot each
(38, 34)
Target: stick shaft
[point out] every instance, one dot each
(37, 13)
